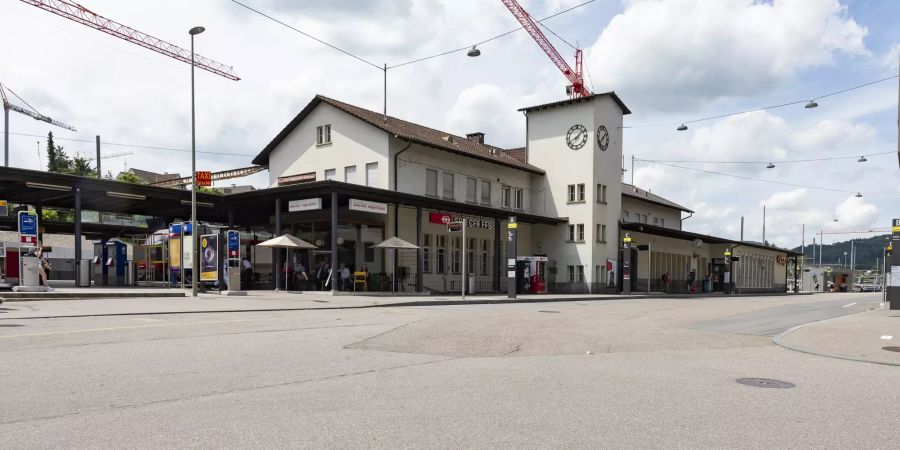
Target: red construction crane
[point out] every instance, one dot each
(577, 88)
(84, 16)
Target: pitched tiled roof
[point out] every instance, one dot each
(520, 153)
(570, 101)
(638, 193)
(153, 177)
(404, 130)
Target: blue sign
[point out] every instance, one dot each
(175, 229)
(234, 244)
(28, 224)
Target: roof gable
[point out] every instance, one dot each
(405, 130)
(647, 196)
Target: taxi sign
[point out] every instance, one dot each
(203, 177)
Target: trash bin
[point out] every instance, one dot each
(83, 273)
(471, 283)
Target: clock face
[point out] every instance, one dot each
(602, 138)
(576, 137)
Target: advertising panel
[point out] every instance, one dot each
(187, 256)
(174, 253)
(209, 257)
(306, 204)
(28, 227)
(367, 206)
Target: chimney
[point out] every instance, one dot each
(476, 137)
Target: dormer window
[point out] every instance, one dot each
(323, 134)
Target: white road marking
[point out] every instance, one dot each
(851, 304)
(887, 337)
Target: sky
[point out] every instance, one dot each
(671, 61)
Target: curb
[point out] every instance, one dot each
(391, 305)
(778, 340)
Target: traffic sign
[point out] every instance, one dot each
(204, 178)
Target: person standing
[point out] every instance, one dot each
(246, 273)
(690, 282)
(43, 266)
(665, 280)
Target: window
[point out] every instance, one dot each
(441, 263)
(580, 273)
(581, 192)
(571, 193)
(601, 232)
(431, 182)
(448, 186)
(601, 193)
(470, 255)
(571, 270)
(485, 259)
(426, 253)
(580, 232)
(625, 216)
(662, 222)
(518, 199)
(571, 232)
(323, 134)
(456, 263)
(485, 192)
(372, 174)
(504, 196)
(471, 188)
(330, 174)
(656, 221)
(645, 218)
(350, 174)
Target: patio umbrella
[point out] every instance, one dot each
(287, 242)
(395, 243)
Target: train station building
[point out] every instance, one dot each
(345, 178)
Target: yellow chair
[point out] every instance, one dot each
(360, 278)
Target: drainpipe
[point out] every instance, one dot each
(686, 218)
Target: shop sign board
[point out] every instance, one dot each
(234, 244)
(447, 218)
(367, 206)
(209, 257)
(28, 227)
(306, 204)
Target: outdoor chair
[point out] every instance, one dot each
(360, 278)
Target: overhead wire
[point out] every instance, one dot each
(783, 183)
(149, 147)
(783, 161)
(765, 108)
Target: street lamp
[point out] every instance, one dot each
(195, 263)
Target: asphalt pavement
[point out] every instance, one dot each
(644, 373)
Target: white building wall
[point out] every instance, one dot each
(656, 214)
(353, 142)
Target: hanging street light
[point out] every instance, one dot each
(770, 166)
(862, 159)
(811, 104)
(682, 127)
(858, 195)
(473, 52)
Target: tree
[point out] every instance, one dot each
(57, 160)
(82, 167)
(128, 177)
(209, 190)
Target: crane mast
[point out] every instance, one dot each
(84, 16)
(574, 76)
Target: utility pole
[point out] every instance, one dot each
(99, 172)
(821, 247)
(742, 228)
(764, 225)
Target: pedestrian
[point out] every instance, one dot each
(345, 277)
(246, 273)
(665, 280)
(690, 282)
(43, 266)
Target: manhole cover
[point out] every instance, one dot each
(557, 312)
(766, 383)
(891, 349)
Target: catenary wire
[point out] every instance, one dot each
(783, 183)
(764, 108)
(424, 58)
(149, 147)
(774, 161)
(310, 36)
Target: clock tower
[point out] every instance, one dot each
(578, 142)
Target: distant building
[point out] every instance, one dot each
(149, 177)
(235, 189)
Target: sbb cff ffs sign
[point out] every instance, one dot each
(204, 178)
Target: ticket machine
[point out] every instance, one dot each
(110, 263)
(99, 269)
(531, 274)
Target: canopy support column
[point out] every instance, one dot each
(419, 252)
(78, 261)
(334, 252)
(498, 267)
(275, 259)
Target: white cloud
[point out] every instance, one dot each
(789, 200)
(891, 58)
(855, 212)
(662, 54)
(489, 109)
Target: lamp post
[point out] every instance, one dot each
(195, 263)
